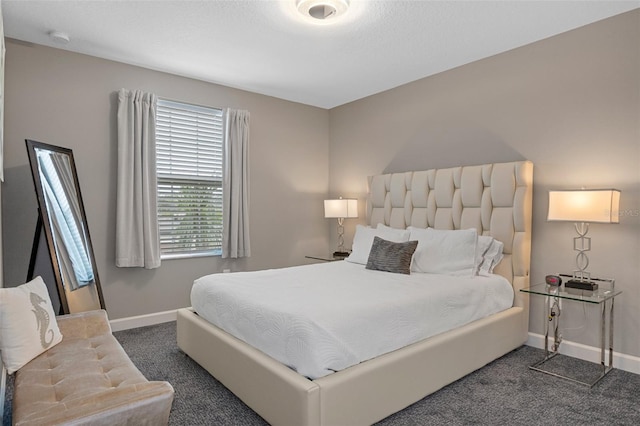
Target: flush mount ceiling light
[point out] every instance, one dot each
(59, 37)
(322, 10)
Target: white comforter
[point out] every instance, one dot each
(322, 318)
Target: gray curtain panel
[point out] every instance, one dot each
(235, 181)
(137, 240)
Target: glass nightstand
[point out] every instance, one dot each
(327, 258)
(603, 296)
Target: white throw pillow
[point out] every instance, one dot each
(363, 240)
(491, 258)
(484, 242)
(28, 325)
(449, 252)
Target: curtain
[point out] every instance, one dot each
(235, 185)
(137, 240)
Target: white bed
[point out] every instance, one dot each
(495, 199)
(318, 319)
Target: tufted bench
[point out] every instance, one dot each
(87, 379)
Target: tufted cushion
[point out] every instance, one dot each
(87, 378)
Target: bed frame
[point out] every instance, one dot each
(493, 198)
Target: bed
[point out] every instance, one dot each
(494, 199)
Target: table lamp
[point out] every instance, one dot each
(340, 209)
(583, 207)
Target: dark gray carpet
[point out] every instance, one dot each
(505, 392)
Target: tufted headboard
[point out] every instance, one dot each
(493, 198)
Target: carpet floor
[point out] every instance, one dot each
(505, 392)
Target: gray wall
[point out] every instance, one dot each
(69, 100)
(570, 103)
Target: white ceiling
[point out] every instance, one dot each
(264, 46)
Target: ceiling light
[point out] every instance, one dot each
(322, 10)
(59, 37)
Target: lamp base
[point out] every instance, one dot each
(341, 254)
(581, 285)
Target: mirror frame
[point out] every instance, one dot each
(43, 219)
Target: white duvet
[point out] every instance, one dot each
(322, 318)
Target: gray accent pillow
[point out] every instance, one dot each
(391, 257)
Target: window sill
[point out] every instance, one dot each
(172, 256)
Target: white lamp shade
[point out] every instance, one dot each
(589, 205)
(341, 208)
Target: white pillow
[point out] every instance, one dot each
(484, 242)
(389, 228)
(491, 258)
(363, 240)
(448, 252)
(28, 325)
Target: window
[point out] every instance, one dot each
(189, 168)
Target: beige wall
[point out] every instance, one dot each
(571, 104)
(68, 99)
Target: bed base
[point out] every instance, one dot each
(359, 395)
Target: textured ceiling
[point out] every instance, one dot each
(264, 46)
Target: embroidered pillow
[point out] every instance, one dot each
(28, 325)
(391, 257)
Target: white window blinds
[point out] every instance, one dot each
(189, 169)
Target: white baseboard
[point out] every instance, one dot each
(143, 320)
(624, 362)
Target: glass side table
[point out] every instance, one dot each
(603, 296)
(326, 258)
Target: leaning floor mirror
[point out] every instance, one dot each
(62, 252)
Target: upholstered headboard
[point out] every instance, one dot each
(493, 198)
